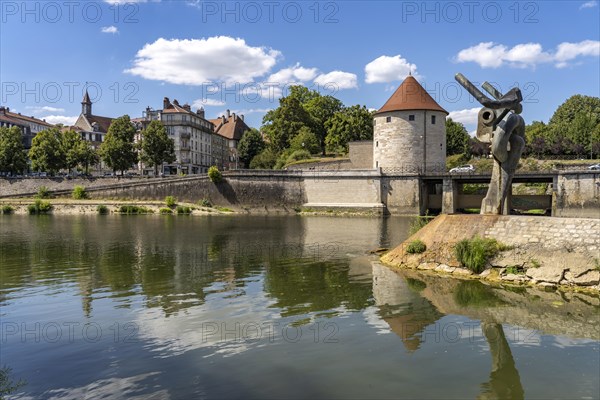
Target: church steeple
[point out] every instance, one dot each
(86, 105)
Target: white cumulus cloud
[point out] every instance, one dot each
(467, 116)
(60, 119)
(207, 102)
(588, 4)
(493, 55)
(337, 80)
(295, 74)
(388, 68)
(198, 61)
(109, 29)
(37, 109)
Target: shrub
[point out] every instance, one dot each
(474, 253)
(418, 223)
(79, 193)
(214, 174)
(7, 209)
(131, 209)
(42, 193)
(165, 211)
(205, 203)
(184, 210)
(102, 209)
(416, 247)
(39, 207)
(170, 201)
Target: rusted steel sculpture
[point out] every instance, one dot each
(500, 124)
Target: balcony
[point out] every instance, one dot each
(184, 147)
(185, 135)
(185, 160)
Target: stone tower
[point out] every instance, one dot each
(409, 132)
(86, 105)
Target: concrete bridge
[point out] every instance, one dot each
(572, 193)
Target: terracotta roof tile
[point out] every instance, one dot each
(28, 119)
(103, 122)
(410, 96)
(232, 129)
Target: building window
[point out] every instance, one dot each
(411, 117)
(377, 143)
(388, 119)
(433, 120)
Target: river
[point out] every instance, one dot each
(173, 307)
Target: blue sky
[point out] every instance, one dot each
(242, 55)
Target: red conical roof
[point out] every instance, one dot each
(410, 96)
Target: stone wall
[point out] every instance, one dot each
(401, 143)
(361, 154)
(352, 188)
(578, 195)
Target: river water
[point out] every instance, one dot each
(171, 307)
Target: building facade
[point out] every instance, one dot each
(30, 126)
(92, 128)
(409, 132)
(191, 134)
(231, 128)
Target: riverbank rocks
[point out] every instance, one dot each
(573, 263)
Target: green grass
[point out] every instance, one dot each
(133, 209)
(79, 193)
(515, 270)
(165, 211)
(416, 247)
(170, 201)
(43, 193)
(102, 209)
(205, 203)
(183, 210)
(535, 263)
(39, 207)
(418, 223)
(7, 209)
(224, 209)
(474, 253)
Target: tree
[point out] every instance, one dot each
(266, 159)
(12, 155)
(47, 153)
(567, 111)
(284, 122)
(72, 149)
(118, 150)
(250, 145)
(349, 124)
(89, 156)
(306, 140)
(156, 146)
(457, 138)
(321, 109)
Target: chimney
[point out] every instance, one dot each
(242, 116)
(223, 117)
(200, 112)
(2, 110)
(187, 107)
(166, 103)
(175, 102)
(234, 117)
(228, 114)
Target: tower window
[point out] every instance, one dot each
(433, 120)
(388, 119)
(377, 143)
(411, 117)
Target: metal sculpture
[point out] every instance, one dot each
(500, 124)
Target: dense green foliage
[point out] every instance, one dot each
(79, 193)
(7, 209)
(416, 247)
(12, 155)
(214, 174)
(457, 138)
(170, 201)
(43, 193)
(249, 146)
(306, 120)
(102, 209)
(165, 211)
(156, 147)
(39, 207)
(183, 210)
(118, 149)
(574, 129)
(47, 151)
(131, 209)
(474, 253)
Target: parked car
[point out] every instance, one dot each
(595, 167)
(463, 169)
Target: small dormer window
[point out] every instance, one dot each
(433, 120)
(388, 119)
(411, 117)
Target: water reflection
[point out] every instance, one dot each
(201, 291)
